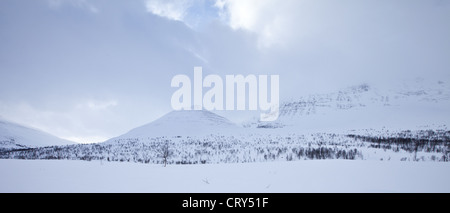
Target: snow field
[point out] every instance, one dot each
(299, 176)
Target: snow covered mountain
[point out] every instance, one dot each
(15, 136)
(343, 125)
(409, 106)
(184, 123)
(360, 122)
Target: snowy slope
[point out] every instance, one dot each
(410, 105)
(15, 136)
(184, 123)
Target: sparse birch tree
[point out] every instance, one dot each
(165, 152)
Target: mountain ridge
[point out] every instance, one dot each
(16, 136)
(417, 103)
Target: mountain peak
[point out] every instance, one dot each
(184, 123)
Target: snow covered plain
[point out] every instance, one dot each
(300, 176)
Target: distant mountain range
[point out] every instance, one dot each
(417, 106)
(364, 106)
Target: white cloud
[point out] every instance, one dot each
(196, 14)
(269, 19)
(171, 9)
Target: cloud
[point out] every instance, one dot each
(195, 14)
(266, 18)
(171, 9)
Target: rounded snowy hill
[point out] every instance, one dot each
(184, 123)
(13, 136)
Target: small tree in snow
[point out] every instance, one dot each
(165, 152)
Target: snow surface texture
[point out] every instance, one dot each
(14, 136)
(300, 176)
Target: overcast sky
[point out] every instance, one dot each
(89, 70)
